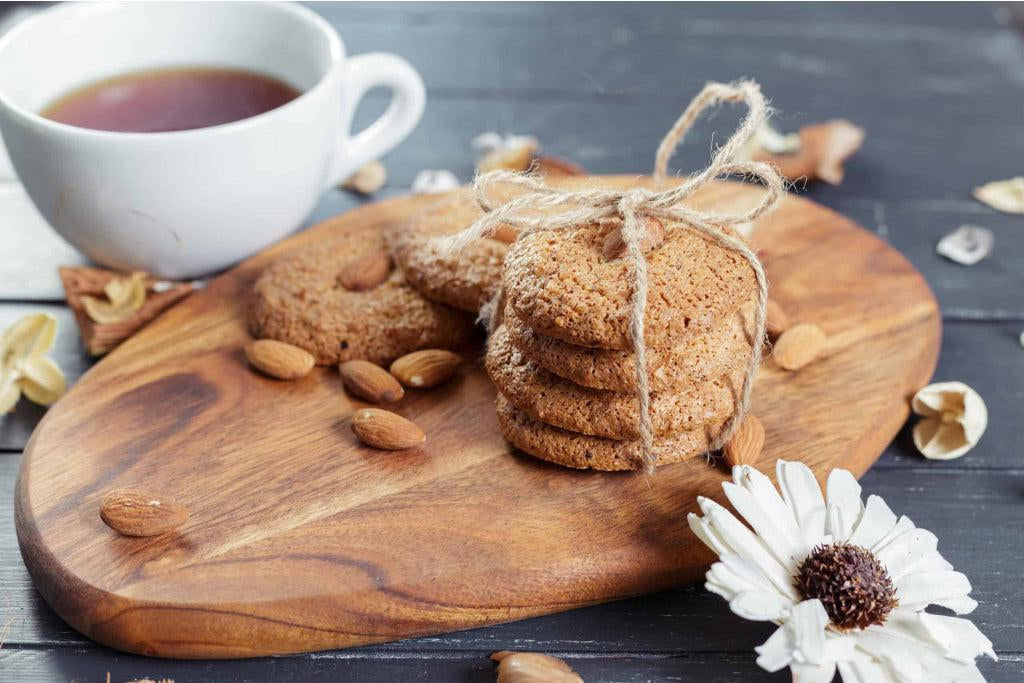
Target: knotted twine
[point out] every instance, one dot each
(546, 208)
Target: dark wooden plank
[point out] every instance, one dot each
(989, 290)
(986, 356)
(975, 514)
(850, 16)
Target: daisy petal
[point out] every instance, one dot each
(964, 641)
(902, 526)
(958, 605)
(876, 521)
(813, 673)
(862, 669)
(744, 543)
(807, 621)
(703, 530)
(760, 606)
(844, 497)
(908, 657)
(931, 587)
(777, 652)
(803, 497)
(787, 550)
(767, 496)
(906, 551)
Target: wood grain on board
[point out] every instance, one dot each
(301, 539)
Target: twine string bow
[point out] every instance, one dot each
(542, 207)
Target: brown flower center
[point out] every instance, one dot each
(851, 583)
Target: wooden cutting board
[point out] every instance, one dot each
(301, 539)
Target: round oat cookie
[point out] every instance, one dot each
(466, 279)
(561, 285)
(580, 451)
(299, 299)
(559, 402)
(698, 358)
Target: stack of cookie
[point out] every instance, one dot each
(562, 362)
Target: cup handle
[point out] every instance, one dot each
(408, 96)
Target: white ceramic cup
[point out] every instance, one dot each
(183, 204)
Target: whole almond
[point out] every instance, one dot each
(366, 272)
(368, 179)
(140, 513)
(370, 382)
(777, 321)
(746, 443)
(798, 346)
(505, 233)
(279, 360)
(386, 430)
(427, 368)
(654, 234)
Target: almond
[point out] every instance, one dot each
(776, 322)
(798, 346)
(366, 272)
(746, 443)
(279, 360)
(505, 233)
(556, 166)
(140, 513)
(387, 430)
(370, 382)
(427, 368)
(533, 667)
(654, 234)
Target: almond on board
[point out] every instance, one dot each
(426, 368)
(386, 430)
(798, 346)
(278, 359)
(746, 443)
(140, 513)
(370, 382)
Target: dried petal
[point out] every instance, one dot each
(955, 417)
(533, 667)
(30, 335)
(823, 149)
(510, 153)
(430, 181)
(125, 297)
(41, 380)
(1004, 195)
(368, 179)
(10, 392)
(966, 245)
(23, 367)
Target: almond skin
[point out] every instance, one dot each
(370, 382)
(366, 272)
(279, 360)
(777, 321)
(427, 368)
(798, 346)
(140, 513)
(386, 430)
(745, 445)
(654, 234)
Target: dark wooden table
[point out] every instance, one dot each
(940, 90)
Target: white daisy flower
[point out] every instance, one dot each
(846, 582)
